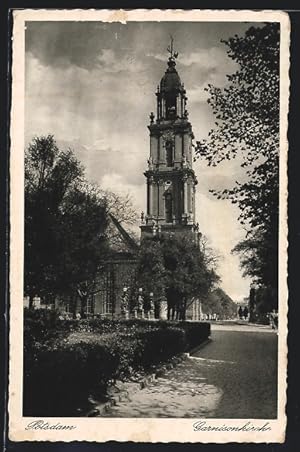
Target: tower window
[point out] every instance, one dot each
(169, 153)
(171, 107)
(168, 208)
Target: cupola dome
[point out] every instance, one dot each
(171, 81)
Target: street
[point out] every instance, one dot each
(233, 376)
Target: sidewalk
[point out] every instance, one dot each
(233, 376)
(241, 325)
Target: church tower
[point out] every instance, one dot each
(171, 181)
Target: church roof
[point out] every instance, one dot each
(171, 80)
(126, 242)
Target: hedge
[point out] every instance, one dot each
(75, 359)
(43, 325)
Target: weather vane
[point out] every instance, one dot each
(170, 49)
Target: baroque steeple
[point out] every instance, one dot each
(171, 181)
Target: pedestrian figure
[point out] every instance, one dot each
(246, 312)
(273, 316)
(240, 312)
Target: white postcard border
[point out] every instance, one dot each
(139, 430)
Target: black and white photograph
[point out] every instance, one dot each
(149, 226)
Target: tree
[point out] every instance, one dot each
(188, 276)
(84, 245)
(65, 222)
(211, 256)
(151, 272)
(121, 208)
(49, 174)
(218, 302)
(247, 128)
(174, 266)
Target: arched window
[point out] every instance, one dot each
(169, 153)
(171, 106)
(168, 208)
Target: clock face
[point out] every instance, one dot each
(168, 136)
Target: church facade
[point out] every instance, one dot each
(170, 178)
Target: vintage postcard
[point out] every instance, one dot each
(148, 246)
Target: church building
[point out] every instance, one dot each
(170, 178)
(171, 190)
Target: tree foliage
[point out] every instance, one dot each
(175, 267)
(151, 272)
(64, 221)
(122, 209)
(218, 302)
(247, 128)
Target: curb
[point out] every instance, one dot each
(198, 347)
(143, 383)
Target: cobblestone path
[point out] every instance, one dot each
(234, 376)
(245, 369)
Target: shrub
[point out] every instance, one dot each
(196, 333)
(61, 377)
(43, 325)
(161, 344)
(65, 364)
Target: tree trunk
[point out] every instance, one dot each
(183, 312)
(83, 301)
(73, 303)
(173, 312)
(169, 313)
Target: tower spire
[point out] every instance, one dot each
(170, 177)
(170, 49)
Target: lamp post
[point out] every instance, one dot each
(252, 296)
(151, 312)
(124, 304)
(141, 303)
(163, 307)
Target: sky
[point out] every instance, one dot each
(92, 85)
